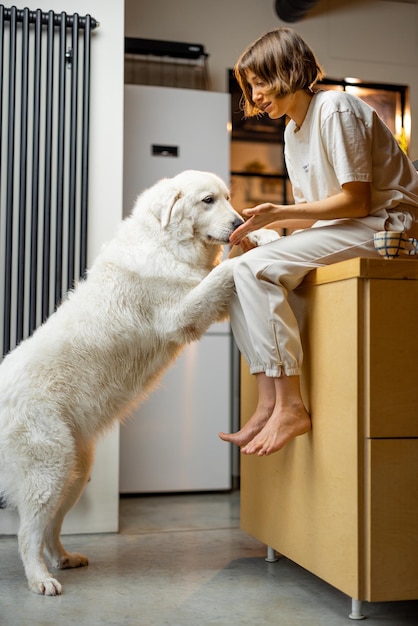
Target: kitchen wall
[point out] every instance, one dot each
(374, 40)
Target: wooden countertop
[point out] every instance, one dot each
(405, 268)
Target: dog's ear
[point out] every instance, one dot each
(161, 199)
(168, 209)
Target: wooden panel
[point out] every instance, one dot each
(392, 531)
(392, 384)
(305, 501)
(395, 269)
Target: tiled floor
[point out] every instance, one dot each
(181, 560)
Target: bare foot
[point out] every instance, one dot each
(265, 406)
(248, 431)
(284, 425)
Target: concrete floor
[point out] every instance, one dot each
(181, 560)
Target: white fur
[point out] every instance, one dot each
(155, 287)
(263, 236)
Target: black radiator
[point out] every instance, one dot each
(44, 163)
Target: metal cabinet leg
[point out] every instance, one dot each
(355, 604)
(356, 610)
(271, 555)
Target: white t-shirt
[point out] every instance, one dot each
(341, 140)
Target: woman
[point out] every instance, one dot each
(350, 179)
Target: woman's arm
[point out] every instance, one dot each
(290, 224)
(353, 201)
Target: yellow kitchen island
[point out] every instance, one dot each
(342, 500)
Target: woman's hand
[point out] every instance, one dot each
(258, 217)
(247, 245)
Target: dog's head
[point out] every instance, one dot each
(192, 204)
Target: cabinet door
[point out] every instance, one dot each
(391, 355)
(392, 519)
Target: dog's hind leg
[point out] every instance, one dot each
(31, 542)
(60, 558)
(46, 467)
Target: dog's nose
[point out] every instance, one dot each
(237, 222)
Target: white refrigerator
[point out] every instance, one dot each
(170, 444)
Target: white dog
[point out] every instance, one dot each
(155, 287)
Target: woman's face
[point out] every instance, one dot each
(274, 106)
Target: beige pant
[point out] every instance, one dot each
(262, 321)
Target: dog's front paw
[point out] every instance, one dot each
(262, 236)
(46, 586)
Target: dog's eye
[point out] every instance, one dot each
(209, 200)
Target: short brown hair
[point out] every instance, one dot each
(283, 60)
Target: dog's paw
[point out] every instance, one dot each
(262, 236)
(46, 587)
(71, 559)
